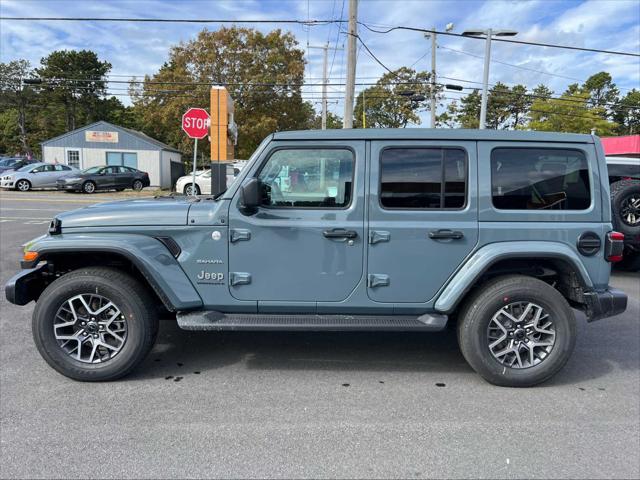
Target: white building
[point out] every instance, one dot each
(103, 143)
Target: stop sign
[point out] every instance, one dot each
(195, 122)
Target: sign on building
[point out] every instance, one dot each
(99, 136)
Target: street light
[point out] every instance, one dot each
(489, 33)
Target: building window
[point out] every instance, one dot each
(423, 178)
(73, 158)
(126, 159)
(539, 179)
(308, 178)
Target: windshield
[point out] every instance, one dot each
(92, 170)
(247, 164)
(7, 162)
(26, 168)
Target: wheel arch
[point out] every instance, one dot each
(146, 258)
(550, 260)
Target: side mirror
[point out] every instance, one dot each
(250, 196)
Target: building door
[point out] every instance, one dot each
(305, 243)
(423, 218)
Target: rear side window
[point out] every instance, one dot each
(423, 178)
(539, 179)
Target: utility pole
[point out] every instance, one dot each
(489, 33)
(351, 64)
(325, 81)
(433, 78)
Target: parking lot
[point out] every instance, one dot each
(308, 404)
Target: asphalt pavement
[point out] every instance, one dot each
(239, 405)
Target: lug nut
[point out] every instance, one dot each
(83, 323)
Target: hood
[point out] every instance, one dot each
(140, 212)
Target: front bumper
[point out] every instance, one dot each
(605, 304)
(68, 186)
(26, 285)
(6, 183)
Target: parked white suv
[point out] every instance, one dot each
(203, 179)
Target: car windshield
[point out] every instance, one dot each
(92, 170)
(26, 168)
(7, 162)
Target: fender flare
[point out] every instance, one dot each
(482, 259)
(150, 256)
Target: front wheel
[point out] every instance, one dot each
(23, 185)
(137, 185)
(88, 187)
(94, 324)
(516, 331)
(188, 189)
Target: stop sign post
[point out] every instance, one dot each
(195, 123)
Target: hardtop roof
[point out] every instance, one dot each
(433, 134)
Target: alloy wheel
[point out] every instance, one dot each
(521, 335)
(137, 185)
(23, 185)
(89, 187)
(90, 328)
(630, 210)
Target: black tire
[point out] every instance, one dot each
(630, 261)
(133, 301)
(188, 186)
(23, 185)
(119, 189)
(88, 187)
(478, 310)
(621, 192)
(137, 185)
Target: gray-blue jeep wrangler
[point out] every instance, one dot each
(500, 233)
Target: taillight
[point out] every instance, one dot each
(614, 246)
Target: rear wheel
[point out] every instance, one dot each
(23, 185)
(516, 331)
(94, 324)
(137, 185)
(188, 189)
(88, 187)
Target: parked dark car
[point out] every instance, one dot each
(8, 164)
(105, 177)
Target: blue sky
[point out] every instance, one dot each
(140, 48)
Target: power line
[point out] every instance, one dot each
(498, 39)
(308, 22)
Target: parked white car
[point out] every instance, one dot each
(203, 179)
(36, 175)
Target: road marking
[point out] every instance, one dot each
(2, 207)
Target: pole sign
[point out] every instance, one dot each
(195, 122)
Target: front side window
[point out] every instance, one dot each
(539, 179)
(308, 178)
(423, 178)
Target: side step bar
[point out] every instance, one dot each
(217, 321)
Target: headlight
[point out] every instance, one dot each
(72, 179)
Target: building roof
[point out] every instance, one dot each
(135, 133)
(625, 145)
(432, 134)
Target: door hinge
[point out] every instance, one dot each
(378, 280)
(239, 278)
(376, 236)
(239, 234)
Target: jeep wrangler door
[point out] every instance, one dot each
(305, 241)
(423, 218)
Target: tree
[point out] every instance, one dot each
(627, 113)
(263, 72)
(385, 105)
(468, 115)
(603, 93)
(333, 122)
(571, 112)
(76, 80)
(15, 97)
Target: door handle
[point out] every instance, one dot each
(340, 233)
(445, 234)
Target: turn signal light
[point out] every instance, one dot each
(29, 256)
